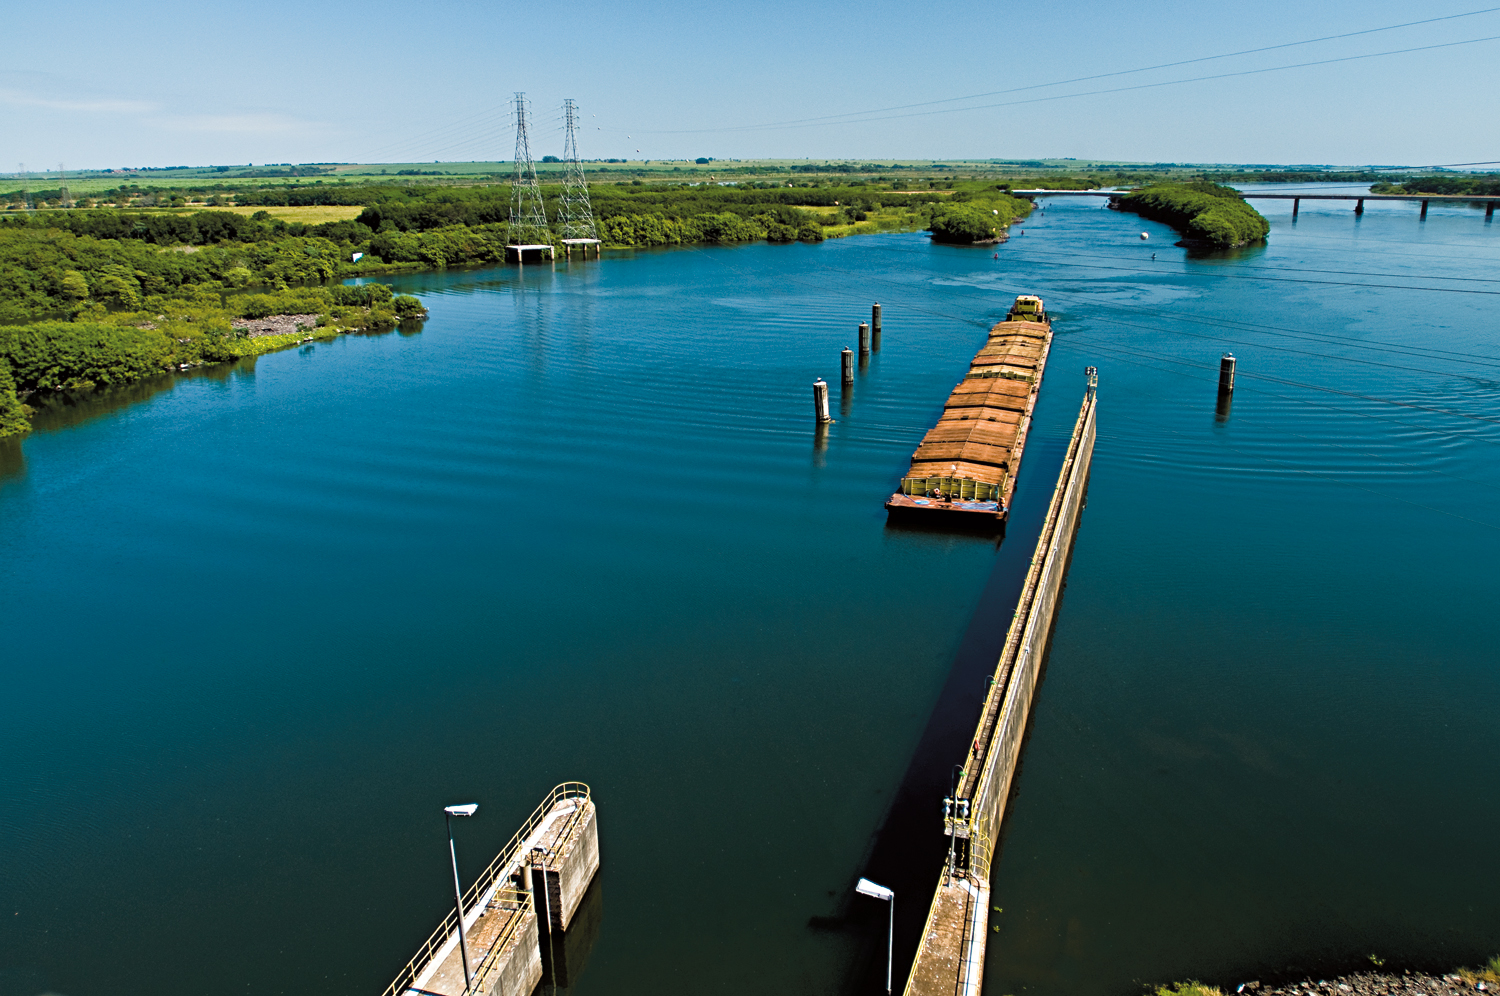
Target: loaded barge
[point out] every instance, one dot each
(967, 463)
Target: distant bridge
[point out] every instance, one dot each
(1296, 199)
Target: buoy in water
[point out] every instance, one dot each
(1144, 236)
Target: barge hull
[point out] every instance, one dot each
(967, 463)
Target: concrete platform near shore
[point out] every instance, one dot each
(517, 253)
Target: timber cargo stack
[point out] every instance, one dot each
(966, 466)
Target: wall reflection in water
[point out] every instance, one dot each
(12, 459)
(565, 953)
(1221, 410)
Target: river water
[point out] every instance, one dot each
(262, 622)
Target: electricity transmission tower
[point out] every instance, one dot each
(575, 211)
(528, 219)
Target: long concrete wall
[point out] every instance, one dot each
(950, 958)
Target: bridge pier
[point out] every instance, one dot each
(1424, 212)
(1489, 210)
(1296, 203)
(1359, 206)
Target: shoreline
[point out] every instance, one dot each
(1373, 983)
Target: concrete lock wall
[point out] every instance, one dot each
(568, 870)
(1001, 760)
(950, 957)
(579, 864)
(521, 970)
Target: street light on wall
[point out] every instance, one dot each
(468, 809)
(868, 888)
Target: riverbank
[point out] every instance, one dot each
(103, 296)
(1463, 981)
(50, 358)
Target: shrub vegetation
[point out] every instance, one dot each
(1480, 186)
(100, 296)
(1200, 210)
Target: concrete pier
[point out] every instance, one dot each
(517, 253)
(582, 244)
(950, 956)
(542, 872)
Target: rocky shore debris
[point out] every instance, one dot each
(1373, 984)
(275, 325)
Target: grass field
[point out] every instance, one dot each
(312, 215)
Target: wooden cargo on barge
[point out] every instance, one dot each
(967, 463)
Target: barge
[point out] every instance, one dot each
(966, 465)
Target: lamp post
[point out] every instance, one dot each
(868, 888)
(458, 897)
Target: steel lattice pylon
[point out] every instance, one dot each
(528, 219)
(575, 211)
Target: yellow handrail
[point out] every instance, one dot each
(504, 899)
(435, 941)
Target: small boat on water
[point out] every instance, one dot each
(966, 465)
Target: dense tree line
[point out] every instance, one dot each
(1480, 186)
(1201, 210)
(81, 310)
(972, 217)
(103, 296)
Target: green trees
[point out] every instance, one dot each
(67, 355)
(12, 412)
(1201, 210)
(964, 224)
(971, 218)
(1482, 186)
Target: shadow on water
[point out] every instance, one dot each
(12, 459)
(566, 953)
(820, 444)
(1224, 405)
(920, 522)
(64, 409)
(908, 851)
(1213, 254)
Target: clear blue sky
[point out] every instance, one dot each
(166, 82)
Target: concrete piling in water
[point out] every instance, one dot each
(1226, 373)
(1424, 212)
(820, 401)
(847, 364)
(875, 326)
(864, 339)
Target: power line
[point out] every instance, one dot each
(1122, 72)
(1087, 93)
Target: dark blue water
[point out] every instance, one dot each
(260, 624)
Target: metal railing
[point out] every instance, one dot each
(1002, 722)
(407, 977)
(960, 488)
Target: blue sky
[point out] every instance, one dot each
(166, 82)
